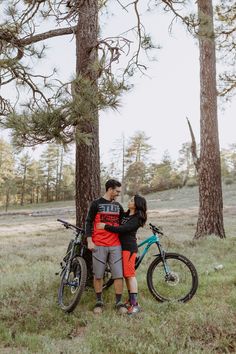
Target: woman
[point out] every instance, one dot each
(134, 218)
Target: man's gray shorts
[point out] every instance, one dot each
(112, 255)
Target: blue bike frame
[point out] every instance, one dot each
(151, 240)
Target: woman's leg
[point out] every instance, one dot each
(132, 284)
(130, 278)
(127, 284)
(133, 290)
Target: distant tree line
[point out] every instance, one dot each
(134, 161)
(25, 180)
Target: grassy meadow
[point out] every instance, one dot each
(31, 248)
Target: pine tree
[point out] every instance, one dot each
(210, 218)
(7, 175)
(71, 112)
(136, 154)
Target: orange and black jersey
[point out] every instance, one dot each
(102, 210)
(127, 232)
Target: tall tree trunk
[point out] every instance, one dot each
(32, 195)
(123, 170)
(57, 175)
(47, 186)
(87, 171)
(60, 173)
(7, 199)
(23, 186)
(37, 194)
(210, 218)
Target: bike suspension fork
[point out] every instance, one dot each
(162, 254)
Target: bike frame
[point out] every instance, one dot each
(71, 253)
(151, 240)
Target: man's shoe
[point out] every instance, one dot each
(98, 308)
(121, 308)
(133, 310)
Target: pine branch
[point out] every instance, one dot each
(46, 35)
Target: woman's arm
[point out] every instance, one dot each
(130, 225)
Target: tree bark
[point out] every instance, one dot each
(210, 218)
(60, 174)
(7, 199)
(87, 171)
(22, 199)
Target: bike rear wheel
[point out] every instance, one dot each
(179, 284)
(73, 285)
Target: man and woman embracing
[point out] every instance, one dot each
(111, 236)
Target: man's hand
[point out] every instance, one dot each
(100, 226)
(91, 245)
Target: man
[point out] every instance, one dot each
(105, 245)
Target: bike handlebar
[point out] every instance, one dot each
(155, 229)
(69, 226)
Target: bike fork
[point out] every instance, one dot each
(162, 254)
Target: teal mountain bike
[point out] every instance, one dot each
(170, 276)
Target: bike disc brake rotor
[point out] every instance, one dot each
(172, 279)
(74, 287)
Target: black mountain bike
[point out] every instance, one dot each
(73, 271)
(76, 270)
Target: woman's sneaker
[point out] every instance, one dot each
(134, 309)
(98, 308)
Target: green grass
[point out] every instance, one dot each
(31, 321)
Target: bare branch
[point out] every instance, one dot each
(46, 35)
(196, 159)
(5, 107)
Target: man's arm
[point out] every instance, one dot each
(89, 224)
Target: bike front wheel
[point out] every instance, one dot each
(72, 284)
(176, 280)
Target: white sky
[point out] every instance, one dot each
(159, 103)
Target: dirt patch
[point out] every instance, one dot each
(39, 213)
(24, 223)
(27, 228)
(228, 210)
(172, 212)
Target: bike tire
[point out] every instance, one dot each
(69, 296)
(182, 283)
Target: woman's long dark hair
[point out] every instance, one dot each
(141, 208)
